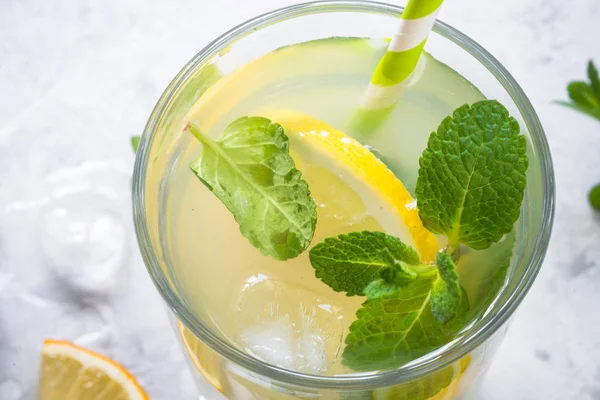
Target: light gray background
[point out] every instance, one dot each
(77, 78)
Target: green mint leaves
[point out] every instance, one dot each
(585, 96)
(470, 188)
(408, 303)
(250, 170)
(348, 263)
(472, 175)
(393, 329)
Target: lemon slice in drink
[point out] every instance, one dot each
(352, 188)
(208, 363)
(448, 393)
(70, 372)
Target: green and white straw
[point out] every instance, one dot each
(400, 60)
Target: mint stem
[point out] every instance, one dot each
(198, 134)
(453, 250)
(424, 270)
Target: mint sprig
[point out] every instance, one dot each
(408, 303)
(585, 97)
(251, 171)
(470, 189)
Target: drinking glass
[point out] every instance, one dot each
(221, 369)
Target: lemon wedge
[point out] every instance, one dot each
(70, 372)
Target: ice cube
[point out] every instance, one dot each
(311, 348)
(83, 238)
(271, 341)
(290, 327)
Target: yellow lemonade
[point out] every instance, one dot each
(278, 311)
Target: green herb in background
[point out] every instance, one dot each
(585, 97)
(470, 189)
(135, 142)
(595, 197)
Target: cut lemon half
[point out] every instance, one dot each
(352, 188)
(70, 372)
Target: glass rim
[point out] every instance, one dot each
(452, 352)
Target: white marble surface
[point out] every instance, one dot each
(77, 78)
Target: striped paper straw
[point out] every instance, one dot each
(399, 61)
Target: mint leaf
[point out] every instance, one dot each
(135, 143)
(582, 94)
(585, 97)
(592, 112)
(594, 79)
(250, 170)
(472, 175)
(461, 316)
(394, 329)
(595, 197)
(446, 294)
(349, 262)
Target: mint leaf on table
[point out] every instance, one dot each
(595, 197)
(594, 79)
(394, 329)
(591, 111)
(472, 175)
(251, 171)
(585, 97)
(349, 262)
(135, 143)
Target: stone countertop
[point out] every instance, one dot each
(78, 78)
